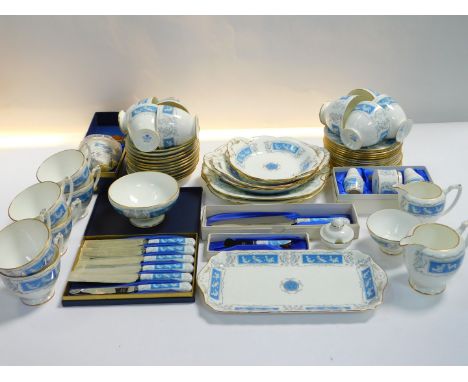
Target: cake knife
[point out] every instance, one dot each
(144, 288)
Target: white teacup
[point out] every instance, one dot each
(366, 125)
(383, 181)
(411, 176)
(65, 164)
(125, 116)
(44, 201)
(400, 125)
(334, 114)
(353, 182)
(141, 123)
(175, 126)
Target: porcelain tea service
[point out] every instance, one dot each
(103, 151)
(353, 182)
(410, 176)
(66, 164)
(426, 200)
(433, 253)
(383, 181)
(400, 125)
(144, 197)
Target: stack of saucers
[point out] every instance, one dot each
(385, 153)
(178, 161)
(266, 169)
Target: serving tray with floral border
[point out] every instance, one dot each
(308, 281)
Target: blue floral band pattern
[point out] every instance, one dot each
(322, 259)
(368, 280)
(419, 209)
(439, 267)
(215, 284)
(258, 259)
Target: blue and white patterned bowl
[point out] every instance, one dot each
(38, 288)
(47, 198)
(144, 197)
(387, 227)
(65, 164)
(26, 247)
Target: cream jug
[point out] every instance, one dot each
(433, 253)
(425, 200)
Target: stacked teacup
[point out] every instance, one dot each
(30, 260)
(161, 135)
(364, 127)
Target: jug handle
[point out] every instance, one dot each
(457, 187)
(461, 229)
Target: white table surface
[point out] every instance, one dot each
(408, 328)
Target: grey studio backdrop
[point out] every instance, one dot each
(235, 72)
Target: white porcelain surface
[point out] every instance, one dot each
(366, 125)
(142, 127)
(410, 176)
(353, 182)
(125, 116)
(45, 200)
(383, 181)
(400, 125)
(174, 125)
(337, 234)
(292, 281)
(387, 227)
(433, 253)
(426, 200)
(144, 197)
(272, 160)
(334, 114)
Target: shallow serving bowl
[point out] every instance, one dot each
(38, 288)
(144, 197)
(272, 160)
(387, 227)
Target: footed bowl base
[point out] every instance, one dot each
(146, 223)
(39, 300)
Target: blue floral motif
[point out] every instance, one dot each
(258, 259)
(365, 107)
(285, 146)
(322, 259)
(44, 260)
(247, 308)
(384, 102)
(79, 180)
(215, 285)
(144, 109)
(271, 166)
(425, 210)
(168, 142)
(58, 213)
(439, 267)
(368, 280)
(291, 285)
(41, 282)
(147, 138)
(167, 109)
(244, 154)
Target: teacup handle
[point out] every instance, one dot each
(58, 241)
(44, 217)
(461, 229)
(96, 174)
(457, 187)
(76, 210)
(71, 188)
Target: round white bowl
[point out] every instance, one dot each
(144, 197)
(38, 288)
(387, 227)
(26, 247)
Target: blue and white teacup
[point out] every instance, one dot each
(81, 198)
(45, 201)
(410, 176)
(26, 247)
(37, 288)
(71, 164)
(353, 182)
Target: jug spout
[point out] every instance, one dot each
(400, 188)
(409, 241)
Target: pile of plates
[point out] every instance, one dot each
(385, 153)
(266, 169)
(178, 161)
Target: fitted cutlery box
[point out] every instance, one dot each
(183, 219)
(367, 203)
(107, 123)
(303, 209)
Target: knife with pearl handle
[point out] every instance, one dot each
(137, 251)
(144, 288)
(96, 276)
(133, 260)
(139, 242)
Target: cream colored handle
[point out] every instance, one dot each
(461, 229)
(58, 241)
(457, 187)
(96, 174)
(71, 188)
(44, 216)
(76, 210)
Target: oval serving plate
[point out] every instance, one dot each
(272, 160)
(311, 281)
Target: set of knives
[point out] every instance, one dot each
(135, 265)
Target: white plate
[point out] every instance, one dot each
(292, 281)
(307, 190)
(272, 160)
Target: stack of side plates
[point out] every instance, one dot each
(179, 161)
(266, 169)
(386, 153)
